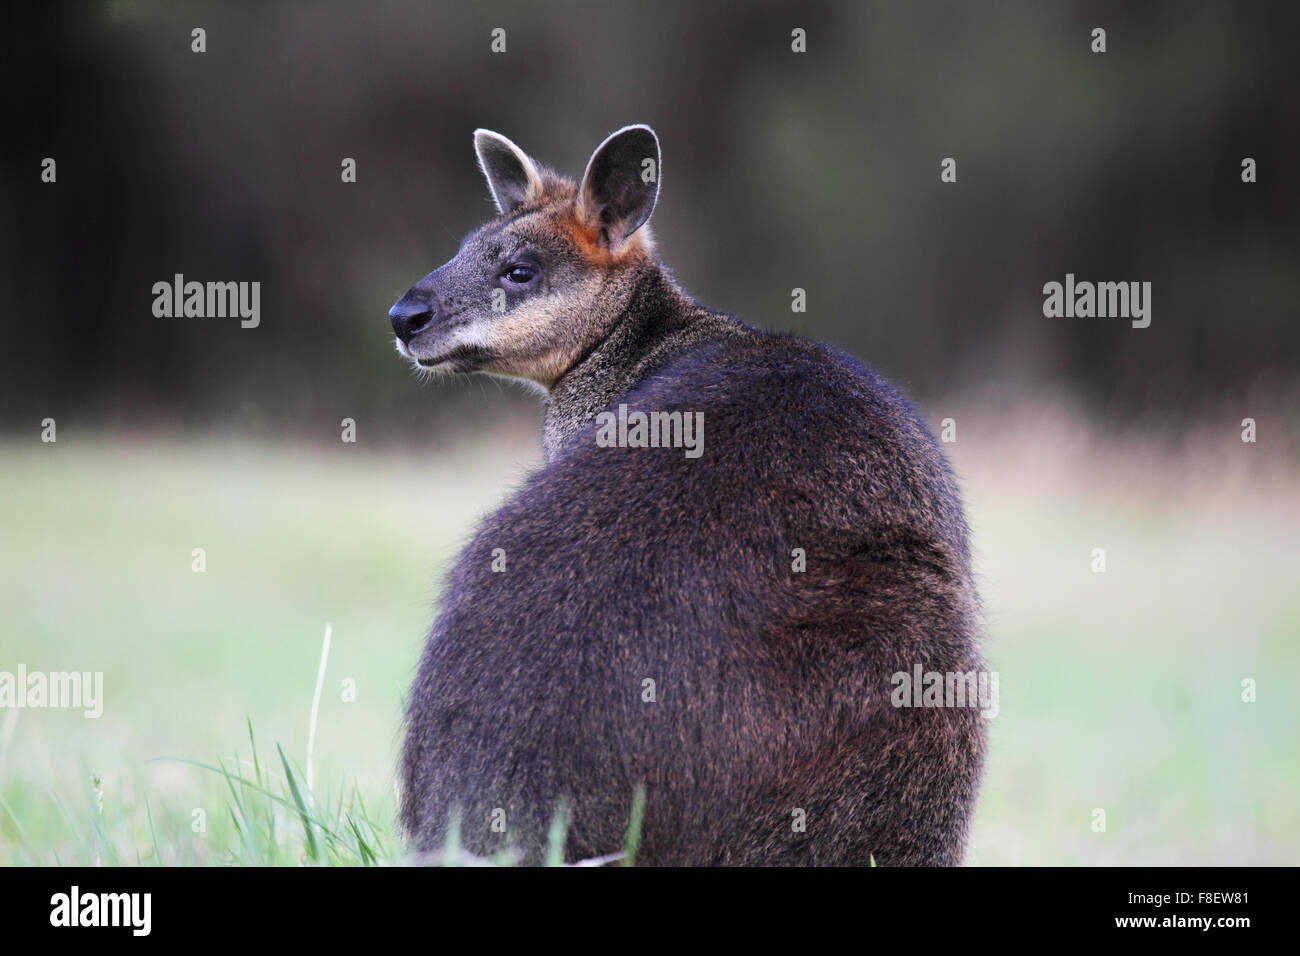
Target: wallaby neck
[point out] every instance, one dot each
(659, 322)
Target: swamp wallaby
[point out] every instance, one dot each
(739, 543)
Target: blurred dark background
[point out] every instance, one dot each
(817, 170)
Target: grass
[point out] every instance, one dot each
(1120, 691)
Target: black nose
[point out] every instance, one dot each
(409, 317)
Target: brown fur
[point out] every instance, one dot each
(628, 564)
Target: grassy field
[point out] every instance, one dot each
(1119, 691)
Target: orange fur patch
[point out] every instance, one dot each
(556, 199)
(586, 240)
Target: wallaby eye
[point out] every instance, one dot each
(520, 274)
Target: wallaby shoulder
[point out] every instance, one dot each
(803, 429)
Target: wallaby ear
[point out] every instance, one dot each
(621, 184)
(511, 175)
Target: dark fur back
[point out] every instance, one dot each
(772, 686)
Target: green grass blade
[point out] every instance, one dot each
(558, 833)
(312, 850)
(637, 814)
(153, 834)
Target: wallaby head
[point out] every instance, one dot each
(530, 292)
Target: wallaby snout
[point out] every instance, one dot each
(412, 314)
(435, 322)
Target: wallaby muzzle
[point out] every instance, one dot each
(415, 311)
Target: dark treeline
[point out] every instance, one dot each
(782, 170)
